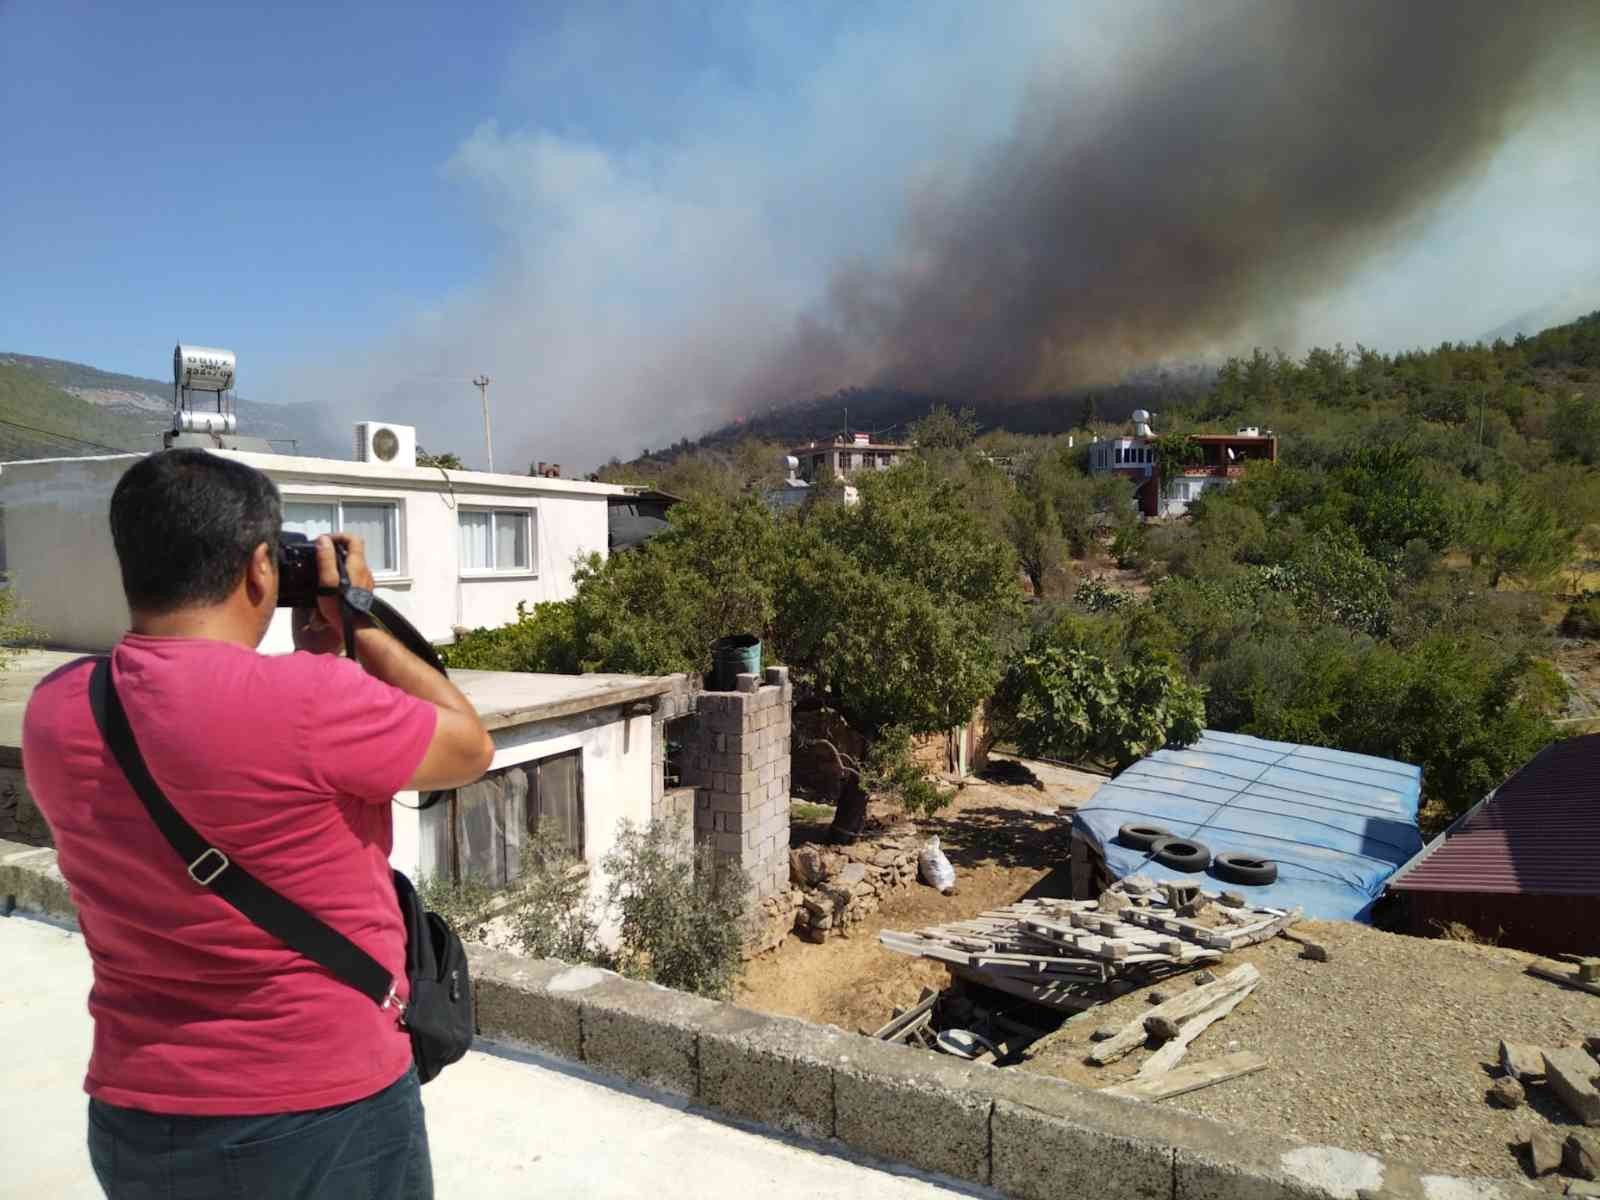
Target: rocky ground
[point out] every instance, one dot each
(1388, 1047)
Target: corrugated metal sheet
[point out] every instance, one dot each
(1538, 835)
(1337, 824)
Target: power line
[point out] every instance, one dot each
(67, 437)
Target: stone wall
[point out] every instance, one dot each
(833, 887)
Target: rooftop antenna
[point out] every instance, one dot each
(482, 384)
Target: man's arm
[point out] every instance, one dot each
(461, 747)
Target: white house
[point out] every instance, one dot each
(574, 755)
(448, 549)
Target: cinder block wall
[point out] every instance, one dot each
(737, 760)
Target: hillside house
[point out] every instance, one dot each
(1223, 458)
(847, 455)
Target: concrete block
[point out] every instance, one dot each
(766, 775)
(776, 676)
(747, 682)
(30, 874)
(645, 1033)
(745, 782)
(771, 1070)
(728, 842)
(725, 801)
(913, 1106)
(532, 1001)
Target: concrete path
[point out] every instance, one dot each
(502, 1123)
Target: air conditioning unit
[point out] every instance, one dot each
(381, 442)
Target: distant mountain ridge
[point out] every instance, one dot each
(126, 412)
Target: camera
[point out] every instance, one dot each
(297, 570)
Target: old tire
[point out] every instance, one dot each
(1181, 854)
(1245, 868)
(1141, 837)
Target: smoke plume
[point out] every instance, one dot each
(995, 199)
(1248, 157)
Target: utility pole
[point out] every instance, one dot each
(482, 384)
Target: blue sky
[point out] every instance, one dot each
(617, 210)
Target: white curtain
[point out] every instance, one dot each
(475, 541)
(313, 520)
(374, 524)
(510, 541)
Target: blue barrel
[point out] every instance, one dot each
(732, 657)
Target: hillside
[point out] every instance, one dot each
(72, 408)
(888, 413)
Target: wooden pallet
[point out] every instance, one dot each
(1055, 952)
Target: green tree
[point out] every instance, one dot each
(1173, 452)
(945, 429)
(1575, 428)
(1062, 702)
(1511, 532)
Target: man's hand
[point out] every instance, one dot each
(320, 630)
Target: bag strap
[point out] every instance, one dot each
(215, 871)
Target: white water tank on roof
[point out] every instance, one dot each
(204, 368)
(1141, 423)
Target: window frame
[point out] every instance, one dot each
(397, 526)
(500, 864)
(530, 519)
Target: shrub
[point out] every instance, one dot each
(1062, 702)
(1583, 618)
(683, 914)
(554, 916)
(1094, 595)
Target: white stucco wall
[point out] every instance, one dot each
(616, 765)
(62, 564)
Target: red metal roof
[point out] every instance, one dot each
(1539, 834)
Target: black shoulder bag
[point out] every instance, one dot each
(438, 1015)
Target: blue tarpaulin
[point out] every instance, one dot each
(1337, 824)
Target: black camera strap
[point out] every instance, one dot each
(215, 871)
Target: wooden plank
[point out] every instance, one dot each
(1249, 935)
(1186, 1004)
(1050, 997)
(1036, 963)
(1190, 1079)
(1571, 980)
(1167, 1057)
(1190, 930)
(898, 1024)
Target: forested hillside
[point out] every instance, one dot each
(1411, 580)
(52, 407)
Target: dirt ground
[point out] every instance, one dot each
(1388, 1047)
(1005, 840)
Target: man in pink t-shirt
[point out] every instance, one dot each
(225, 1063)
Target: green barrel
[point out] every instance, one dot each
(732, 657)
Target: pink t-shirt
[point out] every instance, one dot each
(285, 763)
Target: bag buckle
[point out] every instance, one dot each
(195, 868)
(392, 1000)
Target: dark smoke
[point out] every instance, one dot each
(1250, 156)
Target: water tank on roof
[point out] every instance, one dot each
(202, 368)
(1141, 423)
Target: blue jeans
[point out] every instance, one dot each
(372, 1149)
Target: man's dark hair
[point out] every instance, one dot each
(185, 524)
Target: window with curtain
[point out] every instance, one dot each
(500, 539)
(491, 820)
(375, 522)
